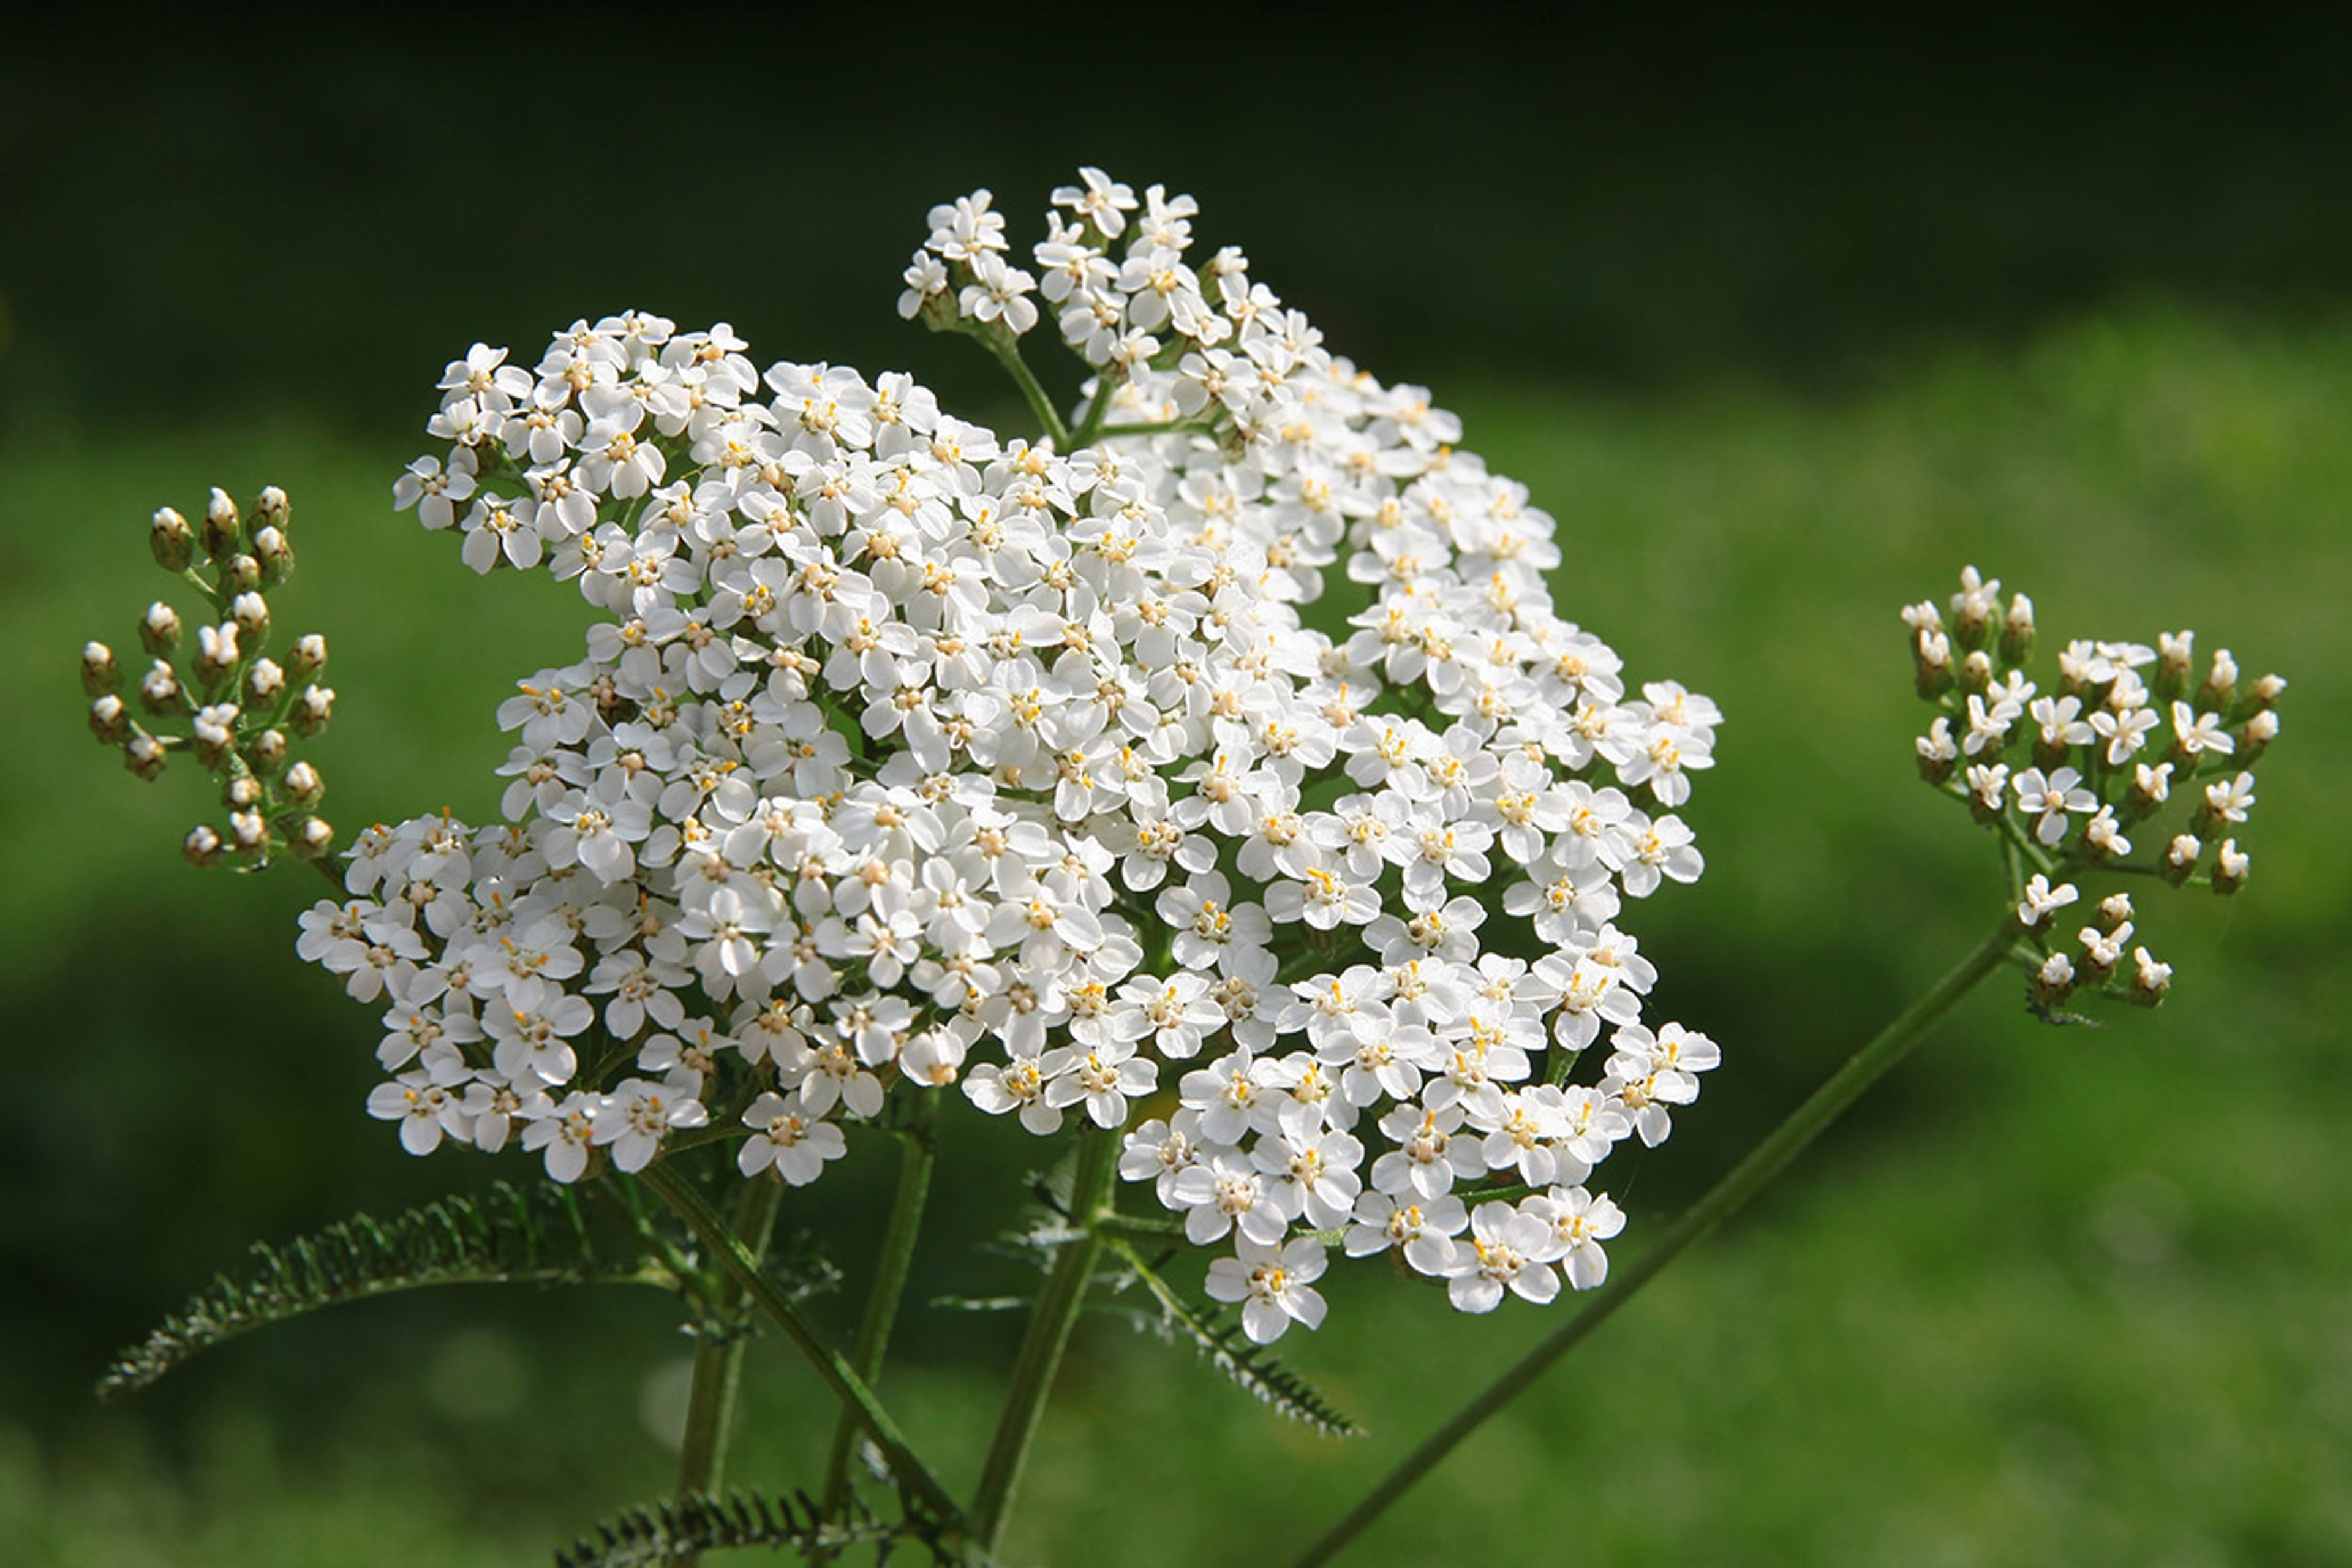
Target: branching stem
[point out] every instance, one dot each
(920, 1154)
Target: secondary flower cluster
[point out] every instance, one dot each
(905, 756)
(225, 701)
(2066, 773)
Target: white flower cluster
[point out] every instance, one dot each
(904, 756)
(2104, 753)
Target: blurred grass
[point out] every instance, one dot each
(2055, 1296)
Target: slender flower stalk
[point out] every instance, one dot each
(719, 1357)
(1049, 1333)
(1726, 1198)
(918, 1156)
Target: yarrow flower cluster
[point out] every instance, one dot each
(224, 700)
(2066, 773)
(1215, 770)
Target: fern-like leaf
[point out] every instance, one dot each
(653, 1535)
(531, 1235)
(1220, 1339)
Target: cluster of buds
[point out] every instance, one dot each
(2069, 776)
(222, 698)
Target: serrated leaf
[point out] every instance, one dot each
(654, 1535)
(536, 1235)
(1220, 1339)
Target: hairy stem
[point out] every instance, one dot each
(719, 1357)
(1049, 1332)
(912, 1476)
(920, 1154)
(1726, 1198)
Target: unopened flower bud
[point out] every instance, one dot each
(216, 651)
(214, 729)
(267, 752)
(1976, 673)
(99, 674)
(246, 832)
(272, 507)
(1973, 608)
(2151, 787)
(2220, 683)
(309, 656)
(2231, 865)
(2152, 980)
(240, 574)
(312, 838)
(2114, 910)
(159, 688)
(2017, 631)
(201, 847)
(242, 793)
(2055, 980)
(303, 785)
(143, 754)
(275, 555)
(2175, 653)
(2102, 950)
(2180, 857)
(2265, 691)
(159, 628)
(264, 681)
(313, 709)
(251, 613)
(1932, 652)
(173, 540)
(1938, 754)
(223, 526)
(109, 720)
(2255, 735)
(1921, 618)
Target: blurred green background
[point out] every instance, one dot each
(1783, 326)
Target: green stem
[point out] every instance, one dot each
(1049, 1332)
(1007, 350)
(719, 1357)
(1727, 1196)
(915, 1163)
(906, 1467)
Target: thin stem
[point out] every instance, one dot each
(719, 1358)
(1049, 1333)
(1007, 350)
(906, 1467)
(920, 1154)
(1726, 1198)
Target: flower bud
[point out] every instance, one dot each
(1932, 652)
(159, 690)
(2255, 735)
(201, 847)
(2151, 787)
(2220, 684)
(143, 754)
(173, 540)
(2103, 837)
(2114, 911)
(1987, 791)
(2152, 979)
(159, 628)
(308, 657)
(273, 508)
(216, 651)
(2055, 980)
(242, 793)
(2175, 651)
(2265, 691)
(2231, 865)
(109, 720)
(251, 613)
(1938, 754)
(264, 681)
(2180, 857)
(215, 731)
(266, 751)
(1976, 673)
(99, 674)
(313, 709)
(247, 833)
(276, 556)
(303, 785)
(2102, 950)
(2017, 631)
(240, 574)
(223, 526)
(312, 838)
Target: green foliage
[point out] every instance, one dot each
(1217, 1335)
(655, 1535)
(536, 1235)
